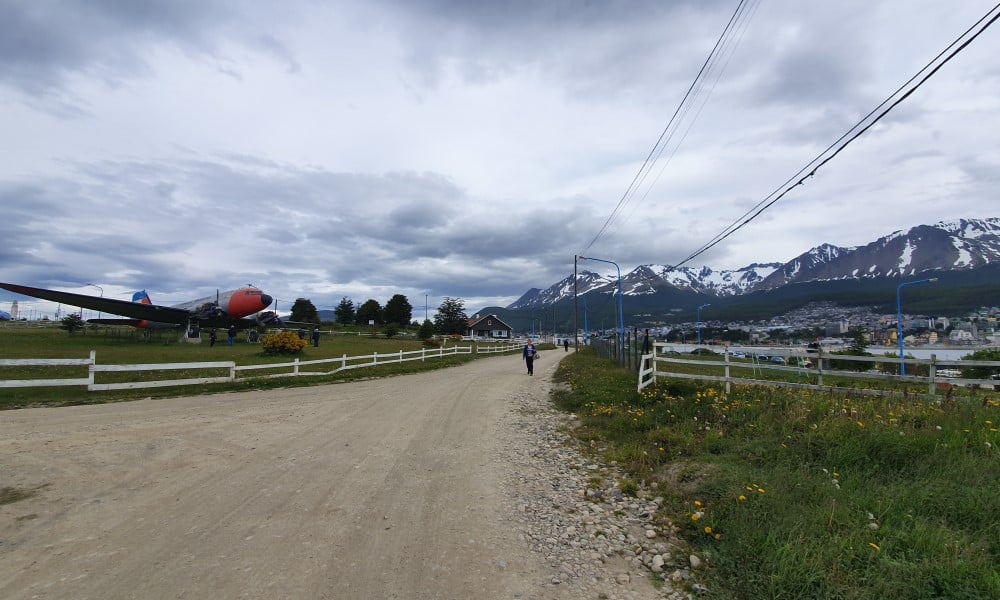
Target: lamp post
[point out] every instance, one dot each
(102, 295)
(621, 318)
(698, 322)
(899, 319)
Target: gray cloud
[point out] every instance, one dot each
(465, 149)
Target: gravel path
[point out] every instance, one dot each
(457, 483)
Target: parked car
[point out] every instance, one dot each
(778, 360)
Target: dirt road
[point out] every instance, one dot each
(387, 488)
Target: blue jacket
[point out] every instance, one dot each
(529, 351)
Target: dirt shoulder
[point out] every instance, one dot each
(387, 488)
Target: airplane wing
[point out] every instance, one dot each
(133, 310)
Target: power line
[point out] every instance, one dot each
(858, 130)
(724, 38)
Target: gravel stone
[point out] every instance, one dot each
(598, 542)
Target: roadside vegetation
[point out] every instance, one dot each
(129, 346)
(796, 494)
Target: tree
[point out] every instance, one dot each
(859, 343)
(72, 322)
(390, 330)
(426, 330)
(303, 311)
(371, 310)
(988, 354)
(398, 310)
(451, 318)
(345, 311)
(858, 347)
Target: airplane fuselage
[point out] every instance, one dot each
(235, 303)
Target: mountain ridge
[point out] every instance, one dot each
(955, 245)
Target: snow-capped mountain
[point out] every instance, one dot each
(945, 246)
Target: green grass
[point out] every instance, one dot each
(808, 495)
(128, 346)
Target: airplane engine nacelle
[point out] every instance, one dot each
(209, 310)
(268, 318)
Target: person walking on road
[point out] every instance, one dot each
(566, 345)
(529, 355)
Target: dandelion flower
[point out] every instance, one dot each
(708, 530)
(718, 536)
(761, 490)
(875, 546)
(697, 502)
(742, 498)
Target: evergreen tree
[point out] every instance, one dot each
(426, 330)
(451, 317)
(371, 310)
(303, 311)
(72, 322)
(398, 310)
(345, 311)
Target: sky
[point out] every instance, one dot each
(452, 148)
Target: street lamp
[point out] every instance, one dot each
(698, 322)
(102, 295)
(586, 332)
(621, 317)
(899, 319)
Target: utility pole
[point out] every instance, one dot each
(576, 310)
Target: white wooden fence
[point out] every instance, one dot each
(285, 369)
(653, 367)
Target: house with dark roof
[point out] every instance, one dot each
(488, 326)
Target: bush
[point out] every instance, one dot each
(284, 342)
(981, 372)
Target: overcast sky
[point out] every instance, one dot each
(466, 149)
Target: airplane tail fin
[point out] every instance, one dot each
(141, 297)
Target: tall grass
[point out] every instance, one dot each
(807, 495)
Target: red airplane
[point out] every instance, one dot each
(224, 310)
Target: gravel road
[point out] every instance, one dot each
(416, 486)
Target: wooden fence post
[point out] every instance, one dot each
(933, 374)
(727, 369)
(90, 370)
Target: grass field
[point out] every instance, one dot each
(129, 346)
(792, 494)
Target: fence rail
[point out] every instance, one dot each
(295, 368)
(813, 365)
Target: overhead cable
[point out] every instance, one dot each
(856, 131)
(667, 132)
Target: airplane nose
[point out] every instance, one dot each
(265, 300)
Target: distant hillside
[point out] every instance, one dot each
(964, 255)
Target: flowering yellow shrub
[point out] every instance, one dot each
(284, 342)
